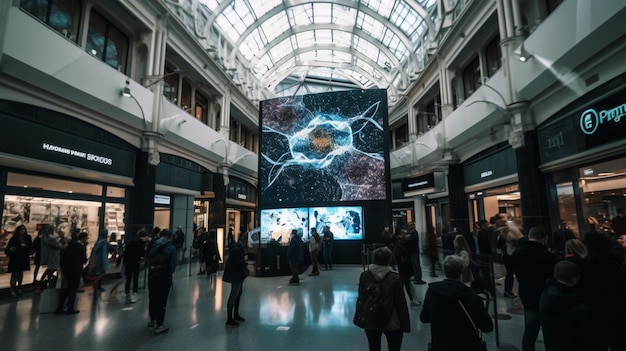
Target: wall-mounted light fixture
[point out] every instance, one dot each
(127, 93)
(523, 54)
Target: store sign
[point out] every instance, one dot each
(77, 153)
(591, 119)
(242, 196)
(486, 174)
(161, 200)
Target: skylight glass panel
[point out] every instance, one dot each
(344, 16)
(262, 7)
(383, 7)
(305, 39)
(300, 15)
(364, 65)
(323, 36)
(281, 50)
(322, 13)
(370, 25)
(405, 18)
(342, 38)
(367, 48)
(251, 45)
(275, 26)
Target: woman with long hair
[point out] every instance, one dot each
(461, 248)
(18, 249)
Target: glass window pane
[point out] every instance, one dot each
(113, 191)
(117, 49)
(96, 35)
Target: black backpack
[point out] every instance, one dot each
(373, 307)
(159, 263)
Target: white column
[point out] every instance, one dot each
(225, 120)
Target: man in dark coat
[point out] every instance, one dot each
(161, 266)
(566, 322)
(235, 271)
(451, 328)
(134, 250)
(73, 257)
(413, 244)
(295, 255)
(533, 265)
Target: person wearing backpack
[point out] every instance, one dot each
(161, 266)
(381, 305)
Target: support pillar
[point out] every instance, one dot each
(459, 217)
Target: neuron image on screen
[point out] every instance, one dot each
(323, 147)
(345, 222)
(277, 224)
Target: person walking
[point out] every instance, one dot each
(73, 258)
(99, 259)
(37, 255)
(327, 247)
(18, 250)
(533, 264)
(314, 250)
(179, 242)
(381, 273)
(235, 272)
(413, 244)
(211, 253)
(295, 256)
(162, 264)
(455, 312)
(50, 252)
(432, 250)
(462, 250)
(134, 250)
(512, 237)
(405, 268)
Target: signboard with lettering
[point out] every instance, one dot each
(585, 127)
(25, 138)
(500, 164)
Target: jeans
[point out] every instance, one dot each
(236, 289)
(531, 329)
(417, 266)
(295, 271)
(132, 275)
(508, 264)
(315, 262)
(394, 339)
(328, 256)
(69, 293)
(158, 291)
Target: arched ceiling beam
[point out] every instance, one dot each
(361, 56)
(404, 38)
(280, 76)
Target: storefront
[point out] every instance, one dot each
(491, 185)
(583, 148)
(75, 178)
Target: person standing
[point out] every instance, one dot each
(73, 258)
(37, 254)
(391, 290)
(50, 252)
(18, 249)
(211, 253)
(533, 264)
(454, 311)
(413, 244)
(511, 236)
(405, 268)
(295, 256)
(200, 243)
(99, 259)
(314, 250)
(432, 249)
(566, 321)
(235, 272)
(162, 264)
(462, 250)
(179, 242)
(134, 250)
(327, 247)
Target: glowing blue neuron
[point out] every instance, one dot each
(320, 141)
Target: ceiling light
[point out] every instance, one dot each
(126, 90)
(523, 54)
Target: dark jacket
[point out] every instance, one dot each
(134, 250)
(73, 257)
(566, 321)
(450, 328)
(18, 249)
(391, 286)
(169, 249)
(533, 266)
(295, 251)
(235, 266)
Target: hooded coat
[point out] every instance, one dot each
(566, 322)
(450, 327)
(391, 286)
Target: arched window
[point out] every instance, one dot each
(107, 42)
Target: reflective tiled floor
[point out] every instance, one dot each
(315, 315)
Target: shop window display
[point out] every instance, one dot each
(35, 212)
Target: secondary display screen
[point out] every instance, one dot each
(323, 148)
(277, 224)
(345, 222)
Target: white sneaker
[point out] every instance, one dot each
(415, 303)
(133, 297)
(128, 299)
(161, 329)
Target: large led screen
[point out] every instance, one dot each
(346, 222)
(323, 148)
(277, 224)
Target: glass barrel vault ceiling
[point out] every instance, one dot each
(366, 43)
